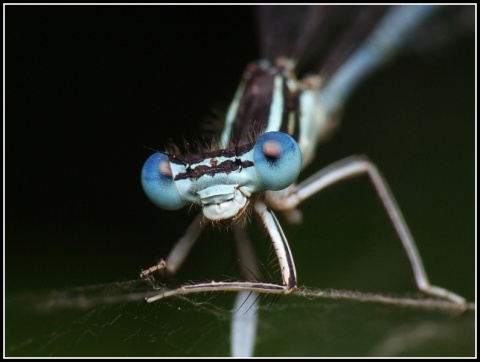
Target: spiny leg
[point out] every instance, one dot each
(180, 250)
(356, 166)
(284, 256)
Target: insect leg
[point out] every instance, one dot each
(356, 166)
(180, 250)
(284, 255)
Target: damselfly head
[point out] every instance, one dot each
(222, 181)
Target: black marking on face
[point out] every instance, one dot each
(225, 167)
(194, 158)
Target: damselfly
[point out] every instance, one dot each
(271, 131)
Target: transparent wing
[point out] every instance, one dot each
(315, 37)
(343, 44)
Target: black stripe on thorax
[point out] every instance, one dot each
(254, 109)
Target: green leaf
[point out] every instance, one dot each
(114, 320)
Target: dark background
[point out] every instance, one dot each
(90, 88)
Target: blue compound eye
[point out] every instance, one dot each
(278, 160)
(158, 183)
